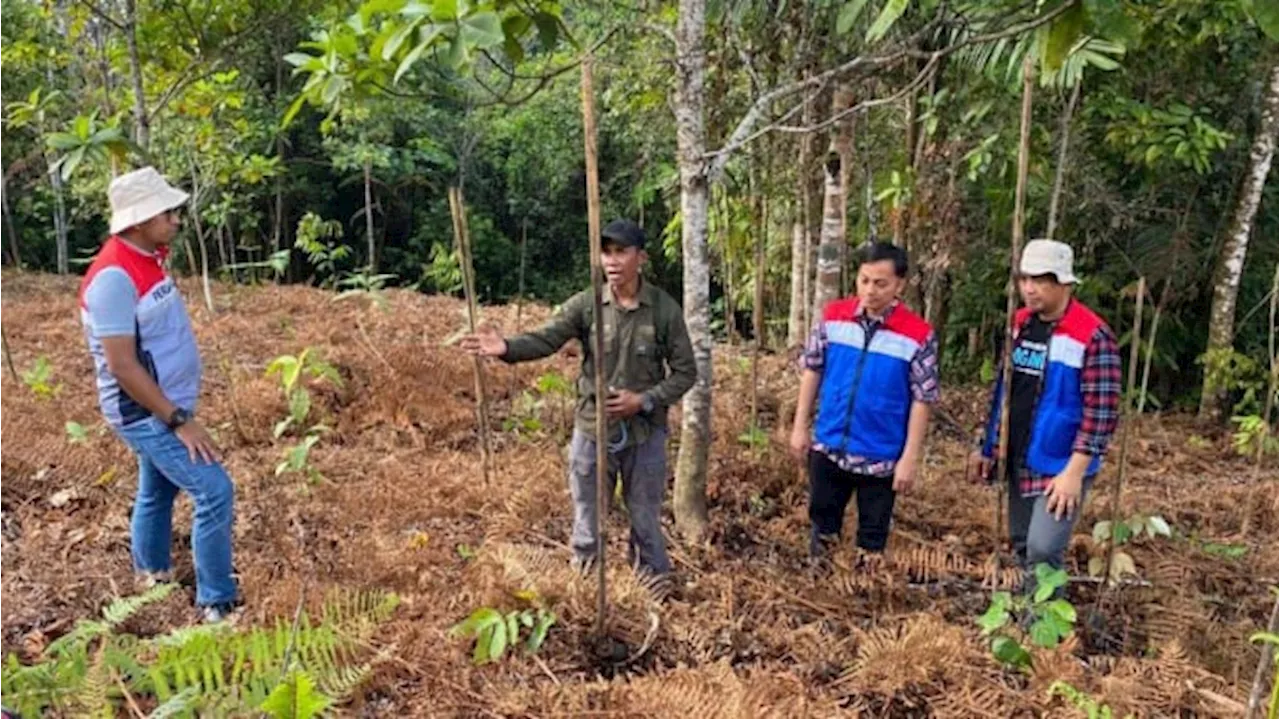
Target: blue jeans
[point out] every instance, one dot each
(164, 467)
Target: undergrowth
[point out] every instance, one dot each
(287, 671)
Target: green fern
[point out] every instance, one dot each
(204, 670)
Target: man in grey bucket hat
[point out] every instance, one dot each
(1063, 406)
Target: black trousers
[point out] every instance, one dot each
(830, 489)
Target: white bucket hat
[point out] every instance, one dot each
(140, 195)
(1048, 257)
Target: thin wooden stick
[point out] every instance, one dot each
(1003, 471)
(1247, 524)
(1260, 674)
(524, 244)
(757, 312)
(469, 286)
(8, 357)
(1127, 418)
(597, 288)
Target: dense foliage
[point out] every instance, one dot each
(363, 115)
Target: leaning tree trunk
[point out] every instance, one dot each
(1231, 262)
(827, 284)
(1059, 176)
(691, 139)
(9, 227)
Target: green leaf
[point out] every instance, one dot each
(472, 625)
(848, 15)
(1061, 609)
(1008, 651)
(1048, 580)
(415, 53)
(397, 39)
(1266, 15)
(1096, 565)
(293, 110)
(1045, 633)
(498, 642)
(299, 405)
(1121, 532)
(513, 625)
(548, 29)
(296, 698)
(997, 615)
(482, 30)
(1156, 526)
(444, 10)
(893, 10)
(298, 59)
(539, 633)
(1101, 530)
(1063, 33)
(76, 432)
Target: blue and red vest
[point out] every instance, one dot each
(865, 399)
(1060, 409)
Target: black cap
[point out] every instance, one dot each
(625, 233)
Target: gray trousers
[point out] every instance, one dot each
(644, 478)
(1036, 535)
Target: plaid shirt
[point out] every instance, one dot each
(1100, 393)
(924, 386)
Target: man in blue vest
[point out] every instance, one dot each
(1062, 406)
(872, 366)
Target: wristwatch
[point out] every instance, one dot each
(179, 417)
(647, 404)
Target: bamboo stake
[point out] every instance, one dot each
(757, 312)
(1127, 418)
(597, 288)
(463, 239)
(1260, 673)
(1011, 304)
(8, 357)
(1267, 404)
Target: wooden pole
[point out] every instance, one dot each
(463, 239)
(8, 358)
(761, 206)
(1267, 404)
(1127, 418)
(597, 288)
(1260, 673)
(1002, 467)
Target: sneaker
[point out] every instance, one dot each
(661, 587)
(150, 580)
(218, 613)
(582, 563)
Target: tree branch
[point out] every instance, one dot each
(744, 132)
(103, 14)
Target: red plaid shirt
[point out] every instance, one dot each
(1100, 389)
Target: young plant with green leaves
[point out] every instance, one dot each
(1086, 704)
(1120, 534)
(1048, 620)
(39, 377)
(292, 369)
(495, 632)
(320, 240)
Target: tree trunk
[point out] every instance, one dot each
(368, 215)
(9, 227)
(1055, 199)
(59, 220)
(200, 237)
(760, 213)
(726, 269)
(795, 315)
(695, 432)
(827, 285)
(141, 122)
(846, 174)
(1231, 262)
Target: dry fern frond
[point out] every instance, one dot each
(891, 658)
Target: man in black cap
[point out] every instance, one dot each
(648, 366)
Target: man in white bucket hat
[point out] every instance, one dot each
(1063, 406)
(148, 376)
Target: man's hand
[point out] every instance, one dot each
(198, 442)
(1063, 494)
(904, 474)
(978, 468)
(623, 403)
(799, 444)
(486, 342)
